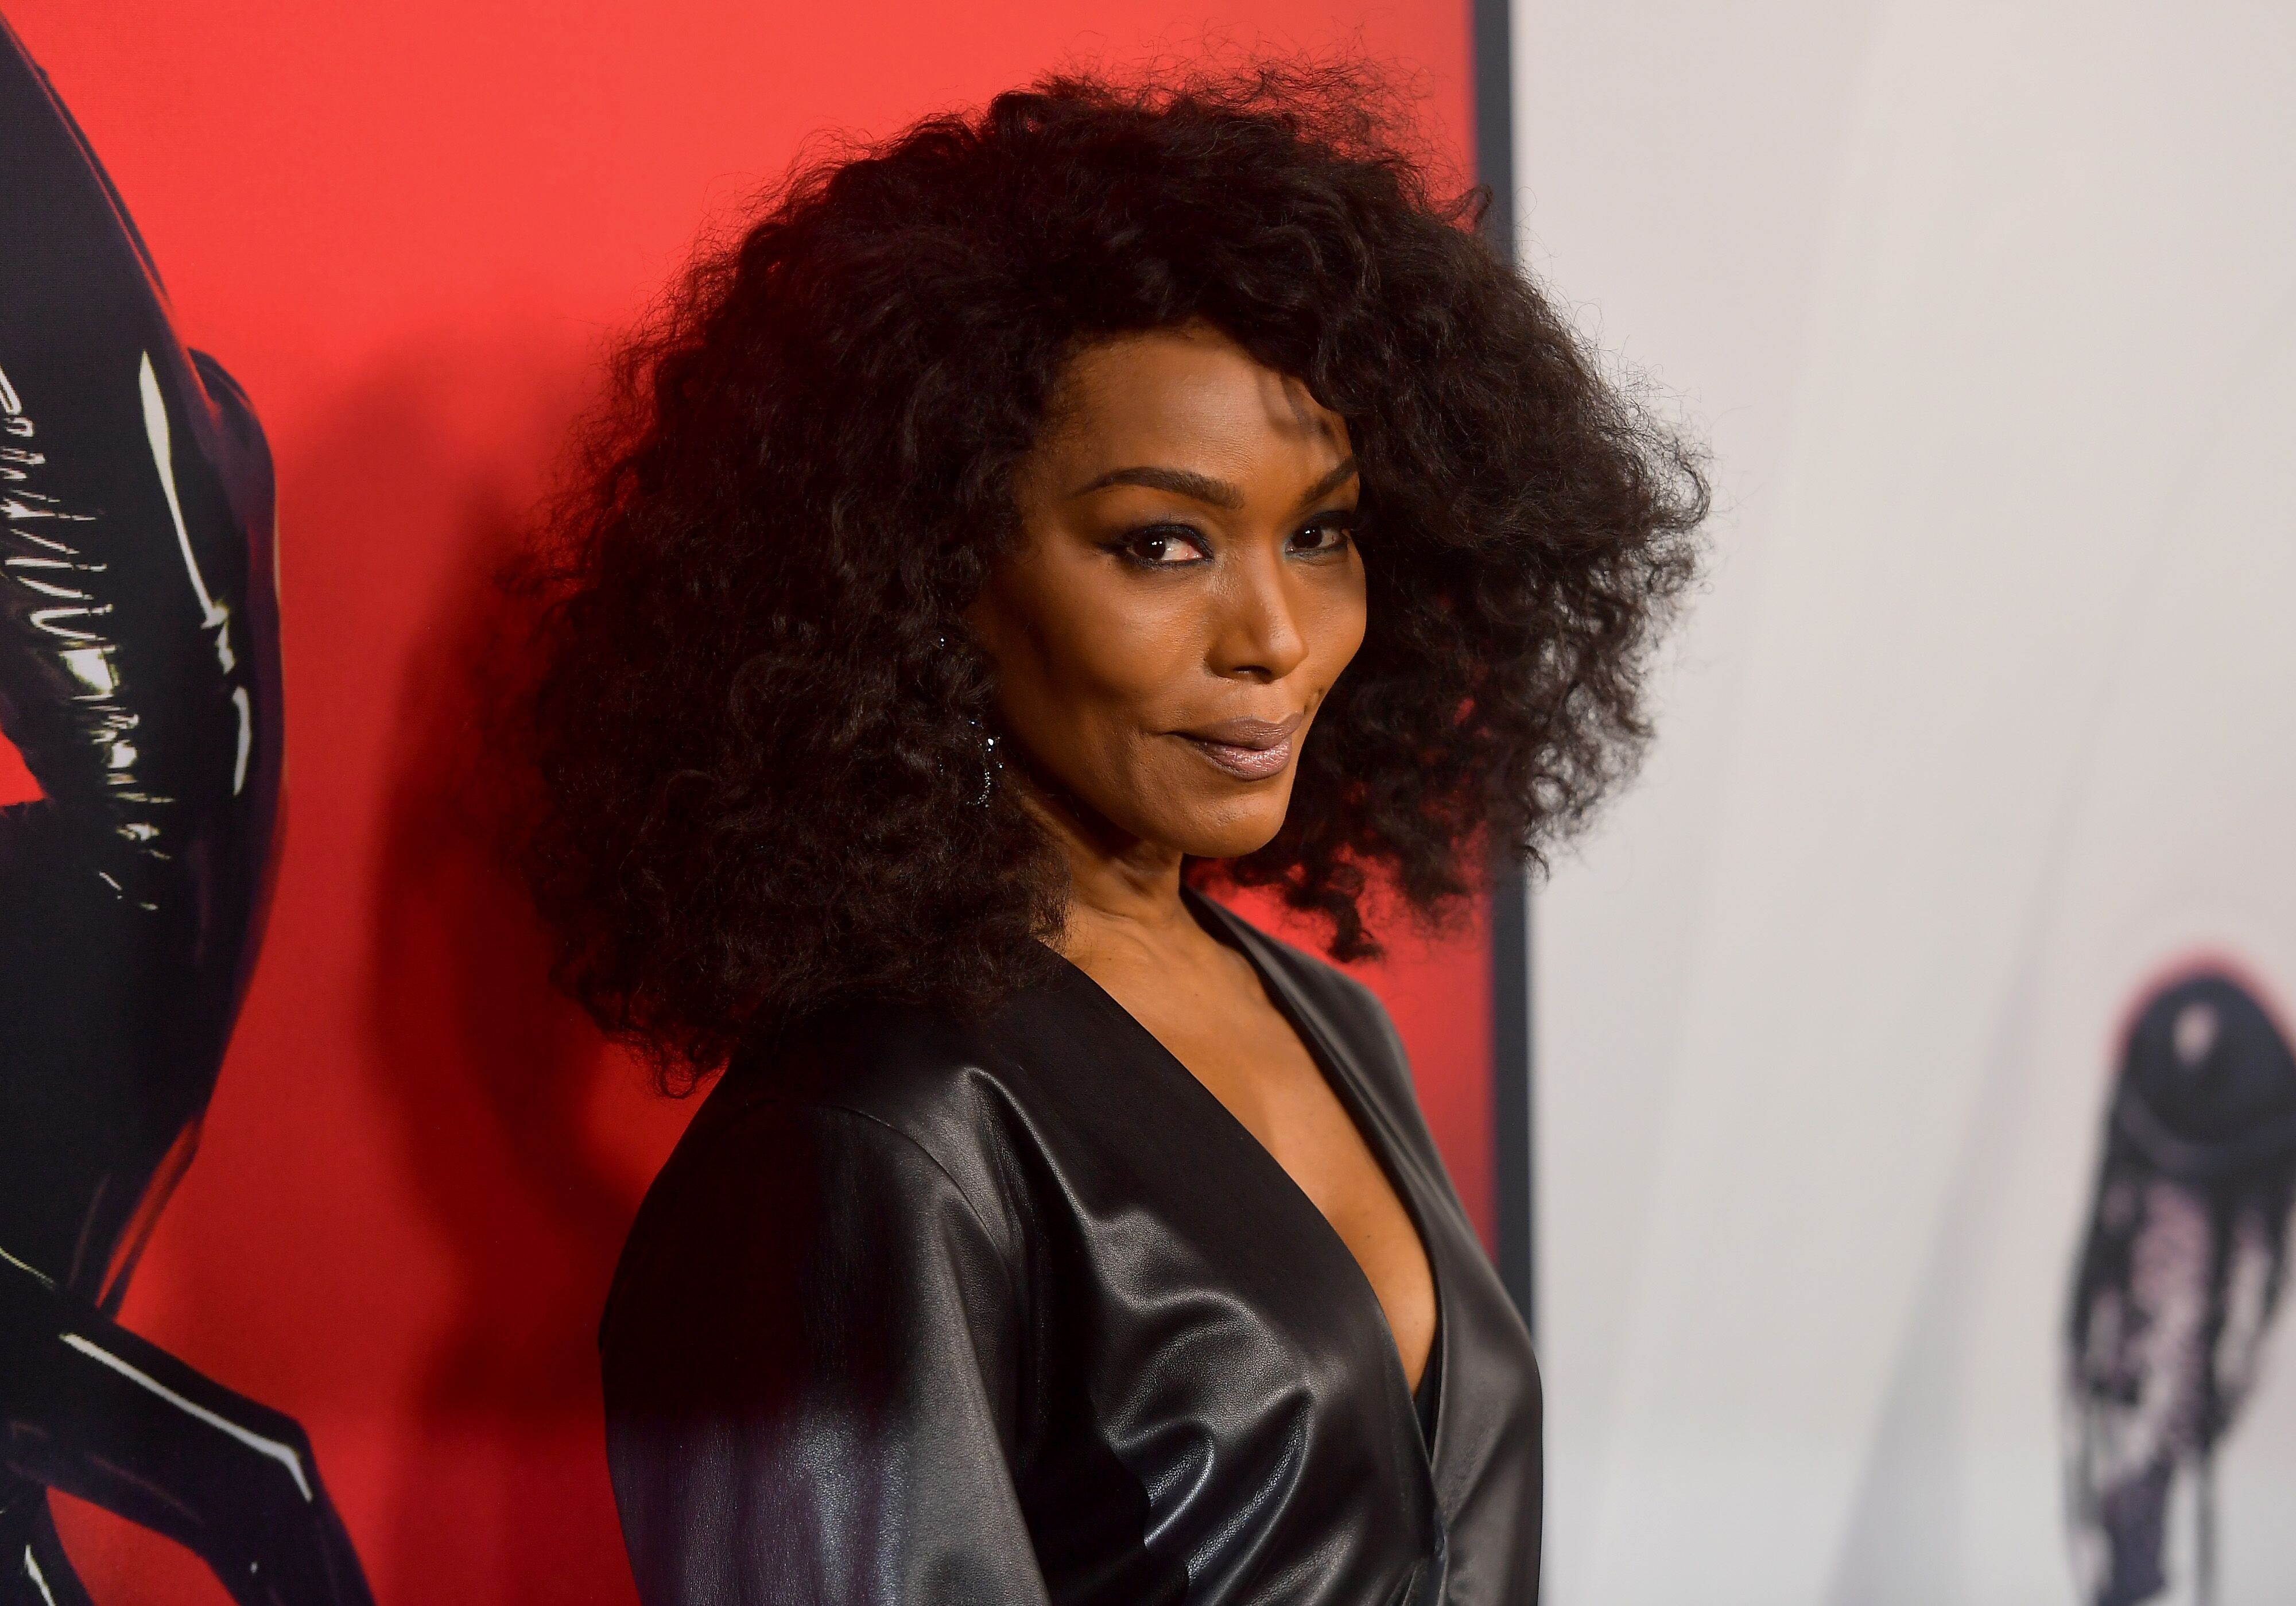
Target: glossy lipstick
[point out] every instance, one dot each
(1250, 749)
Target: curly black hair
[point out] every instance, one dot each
(754, 726)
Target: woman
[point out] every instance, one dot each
(1023, 524)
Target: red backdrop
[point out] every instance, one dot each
(410, 231)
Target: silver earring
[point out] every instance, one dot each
(990, 765)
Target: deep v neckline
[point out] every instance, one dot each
(1339, 1074)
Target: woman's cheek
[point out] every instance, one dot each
(1143, 650)
(1339, 635)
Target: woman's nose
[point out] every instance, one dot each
(1259, 634)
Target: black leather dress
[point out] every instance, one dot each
(1018, 1313)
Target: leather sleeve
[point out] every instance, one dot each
(810, 1360)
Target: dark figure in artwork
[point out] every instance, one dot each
(1029, 523)
(139, 677)
(2185, 1264)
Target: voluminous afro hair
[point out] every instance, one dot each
(754, 727)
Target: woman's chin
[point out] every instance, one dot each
(1232, 828)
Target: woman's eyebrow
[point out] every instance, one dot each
(1204, 488)
(1340, 475)
(1180, 482)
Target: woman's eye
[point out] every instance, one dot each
(1163, 548)
(1325, 535)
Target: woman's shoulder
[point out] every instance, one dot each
(883, 1075)
(897, 1103)
(934, 1079)
(831, 1185)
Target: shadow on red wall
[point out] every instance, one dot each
(493, 1078)
(489, 1074)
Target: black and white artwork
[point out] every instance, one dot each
(139, 680)
(2180, 1277)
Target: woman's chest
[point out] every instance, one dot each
(1210, 1403)
(1261, 1073)
(1210, 1397)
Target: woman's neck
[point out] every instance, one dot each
(1124, 890)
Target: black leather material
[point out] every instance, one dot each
(140, 679)
(1018, 1313)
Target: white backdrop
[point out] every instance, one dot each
(1988, 717)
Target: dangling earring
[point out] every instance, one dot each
(990, 765)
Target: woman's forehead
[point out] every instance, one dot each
(1182, 393)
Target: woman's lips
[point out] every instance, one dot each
(1246, 763)
(1250, 749)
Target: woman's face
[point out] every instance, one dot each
(1185, 592)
